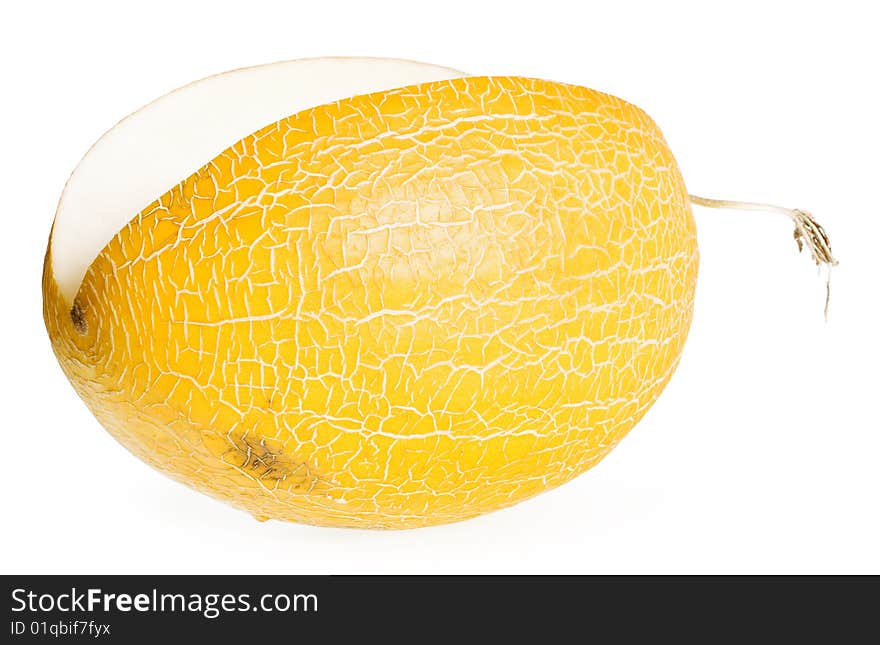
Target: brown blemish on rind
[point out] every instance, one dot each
(266, 461)
(78, 318)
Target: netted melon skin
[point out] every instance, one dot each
(401, 309)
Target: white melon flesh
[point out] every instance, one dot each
(167, 140)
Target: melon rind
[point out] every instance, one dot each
(397, 309)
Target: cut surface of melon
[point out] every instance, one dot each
(167, 140)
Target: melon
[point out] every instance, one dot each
(370, 292)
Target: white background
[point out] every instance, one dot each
(763, 455)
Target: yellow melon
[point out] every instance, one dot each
(372, 293)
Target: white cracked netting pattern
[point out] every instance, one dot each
(395, 310)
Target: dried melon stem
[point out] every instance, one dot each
(807, 232)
